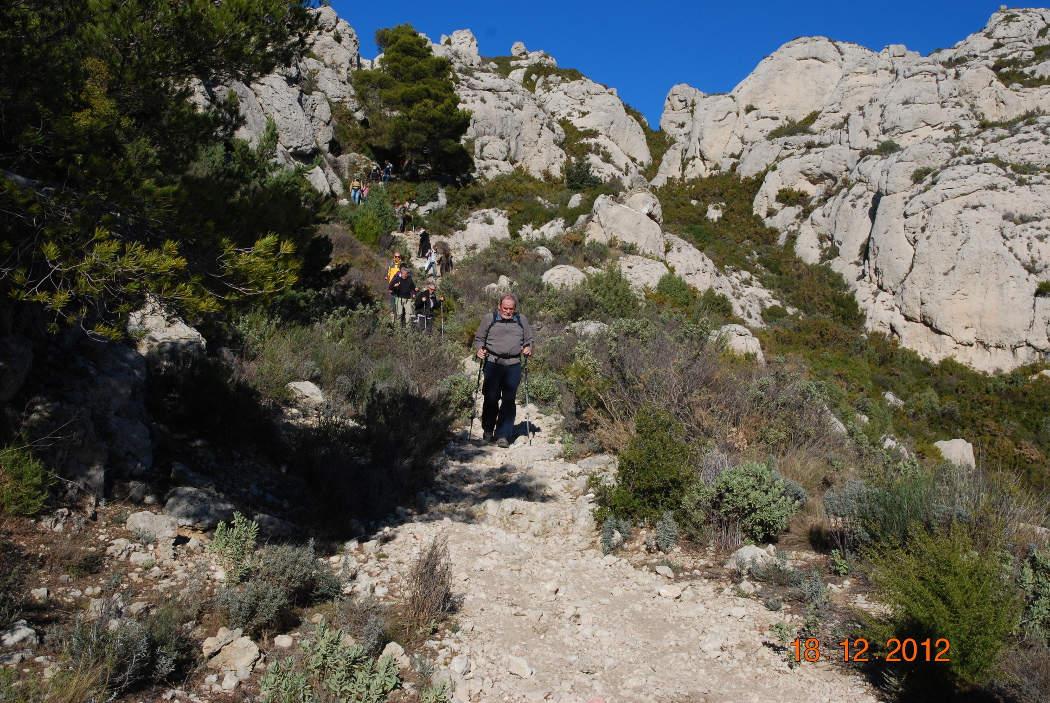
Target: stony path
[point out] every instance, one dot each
(545, 616)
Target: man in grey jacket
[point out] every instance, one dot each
(502, 338)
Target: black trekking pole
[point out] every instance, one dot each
(525, 370)
(474, 400)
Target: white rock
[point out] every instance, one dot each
(957, 451)
(19, 635)
(564, 276)
(619, 222)
(306, 394)
(672, 592)
(460, 665)
(587, 328)
(241, 653)
(743, 557)
(665, 570)
(519, 666)
(739, 340)
(642, 273)
(283, 641)
(398, 653)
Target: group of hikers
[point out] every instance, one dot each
(359, 186)
(411, 305)
(503, 340)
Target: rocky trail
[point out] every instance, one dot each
(544, 615)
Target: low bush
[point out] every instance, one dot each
(654, 470)
(614, 534)
(579, 176)
(792, 128)
(233, 545)
(282, 579)
(887, 147)
(327, 669)
(943, 585)
(24, 482)
(13, 563)
(1034, 581)
(131, 655)
(792, 198)
(752, 494)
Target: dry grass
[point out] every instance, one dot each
(430, 586)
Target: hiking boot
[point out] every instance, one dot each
(489, 435)
(503, 443)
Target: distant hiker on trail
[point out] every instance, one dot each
(404, 215)
(388, 171)
(403, 288)
(391, 271)
(445, 262)
(432, 260)
(374, 174)
(427, 303)
(355, 190)
(424, 242)
(502, 337)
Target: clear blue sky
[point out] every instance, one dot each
(642, 48)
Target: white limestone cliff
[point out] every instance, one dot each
(937, 217)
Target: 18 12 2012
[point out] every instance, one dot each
(906, 650)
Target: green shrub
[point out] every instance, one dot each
(1042, 289)
(919, 175)
(887, 147)
(614, 533)
(675, 291)
(1034, 581)
(24, 481)
(792, 198)
(579, 177)
(612, 294)
(753, 494)
(791, 128)
(234, 545)
(666, 532)
(943, 585)
(427, 192)
(459, 390)
(372, 219)
(134, 653)
(282, 578)
(654, 470)
(12, 583)
(328, 669)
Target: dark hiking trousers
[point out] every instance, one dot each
(499, 390)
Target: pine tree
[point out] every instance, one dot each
(411, 106)
(113, 185)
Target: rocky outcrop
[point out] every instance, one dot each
(87, 414)
(564, 276)
(923, 179)
(298, 99)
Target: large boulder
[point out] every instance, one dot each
(615, 221)
(739, 340)
(564, 276)
(642, 273)
(197, 507)
(957, 451)
(163, 338)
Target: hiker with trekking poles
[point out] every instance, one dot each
(427, 302)
(504, 344)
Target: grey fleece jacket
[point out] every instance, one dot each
(504, 340)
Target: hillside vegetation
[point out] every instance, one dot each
(119, 191)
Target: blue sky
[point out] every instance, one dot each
(642, 48)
